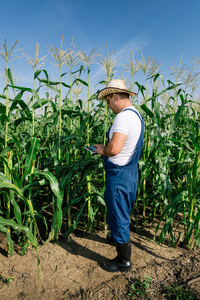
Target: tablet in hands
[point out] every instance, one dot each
(92, 149)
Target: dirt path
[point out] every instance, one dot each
(70, 270)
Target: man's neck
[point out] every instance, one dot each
(123, 104)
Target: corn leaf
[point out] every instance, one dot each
(6, 184)
(8, 235)
(23, 105)
(32, 151)
(54, 184)
(175, 120)
(76, 221)
(9, 222)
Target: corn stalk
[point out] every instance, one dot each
(88, 60)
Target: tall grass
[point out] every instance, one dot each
(49, 184)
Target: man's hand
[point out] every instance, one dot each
(114, 147)
(100, 149)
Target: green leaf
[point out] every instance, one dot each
(37, 73)
(9, 222)
(76, 221)
(6, 184)
(19, 95)
(27, 90)
(2, 108)
(23, 105)
(21, 88)
(42, 103)
(32, 151)
(54, 184)
(17, 211)
(66, 139)
(164, 91)
(9, 74)
(2, 96)
(65, 179)
(65, 85)
(20, 120)
(9, 239)
(147, 111)
(175, 120)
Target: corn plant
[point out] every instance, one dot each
(7, 56)
(145, 66)
(185, 194)
(131, 68)
(35, 63)
(178, 73)
(88, 60)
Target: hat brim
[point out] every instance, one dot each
(108, 91)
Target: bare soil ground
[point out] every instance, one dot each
(70, 269)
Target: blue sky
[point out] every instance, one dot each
(161, 29)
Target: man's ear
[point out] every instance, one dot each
(115, 97)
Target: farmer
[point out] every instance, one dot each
(121, 155)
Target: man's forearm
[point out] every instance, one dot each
(114, 146)
(101, 149)
(105, 150)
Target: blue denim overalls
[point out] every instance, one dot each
(120, 191)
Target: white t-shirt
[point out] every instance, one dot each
(128, 123)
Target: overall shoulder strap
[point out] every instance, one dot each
(138, 114)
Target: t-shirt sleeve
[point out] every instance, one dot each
(121, 124)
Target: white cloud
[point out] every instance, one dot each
(134, 45)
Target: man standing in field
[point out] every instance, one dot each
(121, 155)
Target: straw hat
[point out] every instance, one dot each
(114, 86)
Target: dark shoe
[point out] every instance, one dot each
(116, 265)
(120, 263)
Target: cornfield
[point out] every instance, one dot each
(49, 183)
